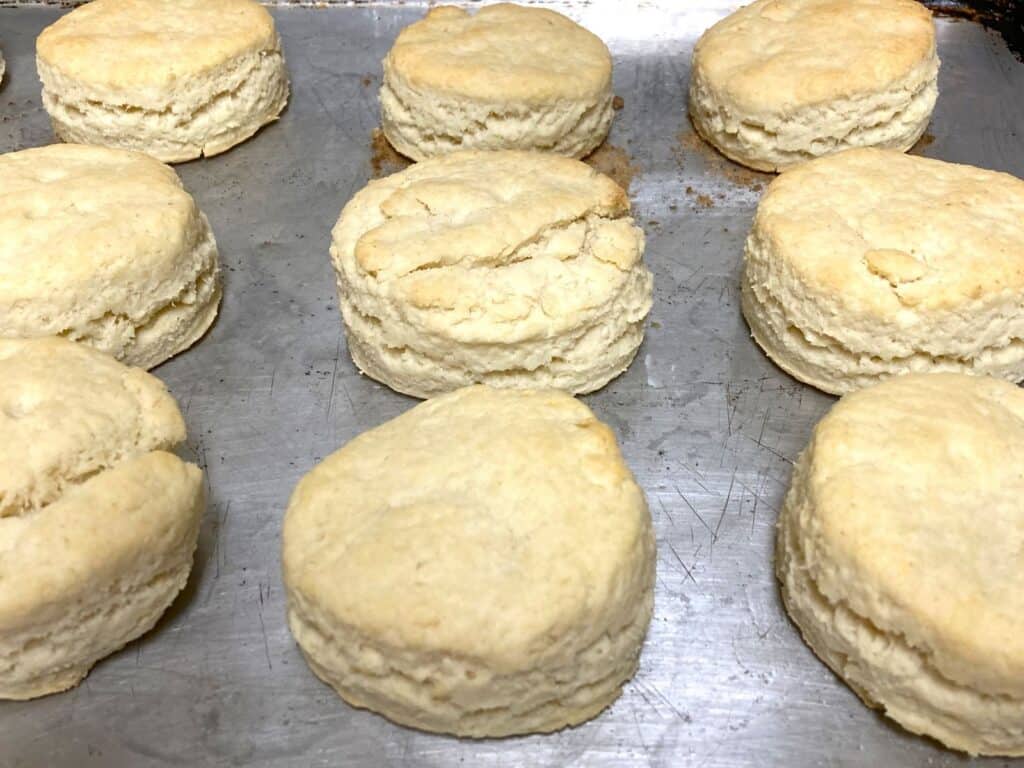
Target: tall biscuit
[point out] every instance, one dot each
(506, 77)
(175, 79)
(780, 82)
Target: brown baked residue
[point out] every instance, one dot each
(384, 160)
(687, 140)
(923, 142)
(614, 162)
(367, 80)
(618, 103)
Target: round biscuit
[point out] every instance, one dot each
(98, 521)
(780, 82)
(482, 565)
(900, 550)
(505, 77)
(105, 247)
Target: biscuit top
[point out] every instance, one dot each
(496, 525)
(502, 53)
(916, 500)
(894, 235)
(782, 55)
(506, 243)
(80, 225)
(153, 43)
(68, 412)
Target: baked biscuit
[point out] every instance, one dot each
(515, 269)
(482, 565)
(104, 247)
(98, 522)
(506, 77)
(871, 263)
(780, 82)
(175, 79)
(899, 553)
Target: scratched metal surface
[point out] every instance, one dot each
(709, 426)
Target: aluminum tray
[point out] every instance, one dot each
(707, 423)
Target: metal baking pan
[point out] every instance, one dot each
(708, 424)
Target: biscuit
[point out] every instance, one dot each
(899, 553)
(98, 522)
(175, 79)
(483, 565)
(780, 82)
(104, 247)
(871, 263)
(506, 77)
(514, 269)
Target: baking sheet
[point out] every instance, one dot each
(709, 426)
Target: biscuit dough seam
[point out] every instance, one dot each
(474, 126)
(821, 340)
(471, 668)
(92, 329)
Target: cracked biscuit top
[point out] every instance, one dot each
(885, 234)
(59, 430)
(490, 246)
(133, 44)
(502, 53)
(784, 55)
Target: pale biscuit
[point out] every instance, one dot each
(483, 565)
(871, 263)
(175, 79)
(98, 522)
(780, 82)
(899, 553)
(506, 77)
(515, 269)
(104, 247)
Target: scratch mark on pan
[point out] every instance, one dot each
(770, 450)
(348, 396)
(639, 733)
(334, 378)
(263, 629)
(721, 517)
(679, 560)
(667, 513)
(693, 509)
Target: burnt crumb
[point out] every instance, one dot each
(367, 80)
(618, 103)
(384, 160)
(925, 141)
(613, 161)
